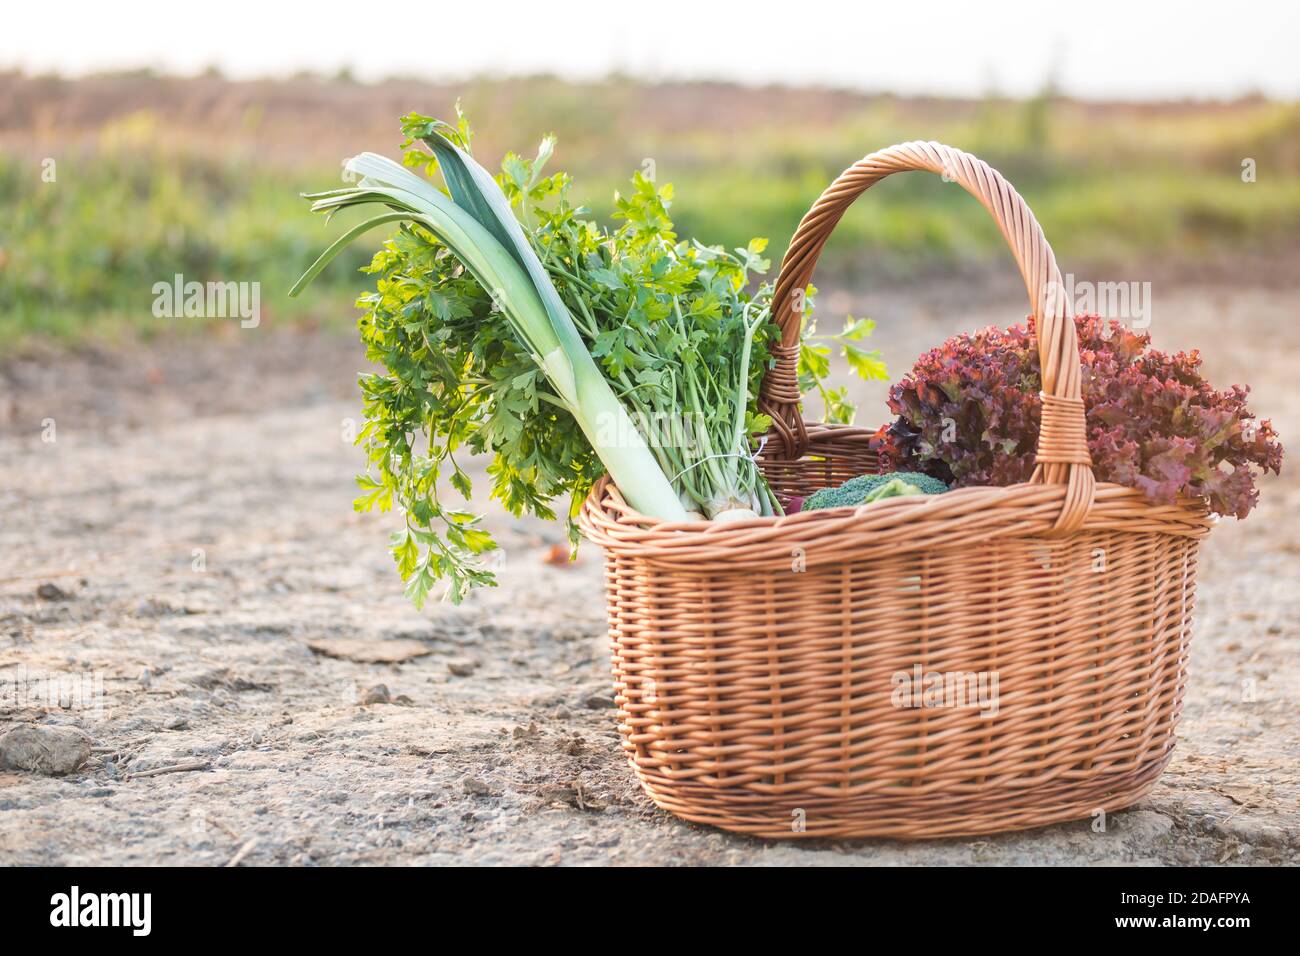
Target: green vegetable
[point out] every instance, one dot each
(865, 489)
(479, 228)
(508, 324)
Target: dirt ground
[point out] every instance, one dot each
(186, 539)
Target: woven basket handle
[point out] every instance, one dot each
(1062, 440)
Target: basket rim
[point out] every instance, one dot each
(962, 516)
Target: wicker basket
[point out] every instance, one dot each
(758, 665)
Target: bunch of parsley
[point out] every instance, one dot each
(673, 324)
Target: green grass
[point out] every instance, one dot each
(79, 256)
(87, 249)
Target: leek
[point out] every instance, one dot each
(525, 293)
(557, 346)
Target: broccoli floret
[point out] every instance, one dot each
(865, 484)
(845, 497)
(867, 488)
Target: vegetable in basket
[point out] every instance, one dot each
(509, 324)
(968, 413)
(865, 489)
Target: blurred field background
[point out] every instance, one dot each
(159, 175)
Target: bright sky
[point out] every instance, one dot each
(1098, 49)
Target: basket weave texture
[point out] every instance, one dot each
(983, 660)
